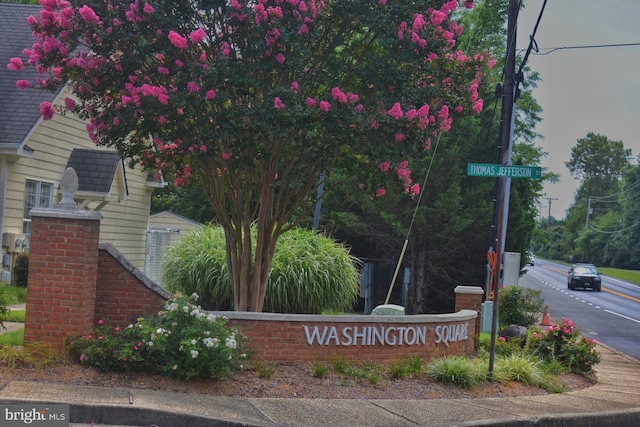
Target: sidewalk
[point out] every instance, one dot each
(613, 401)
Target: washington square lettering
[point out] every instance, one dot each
(383, 335)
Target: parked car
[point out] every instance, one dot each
(532, 260)
(584, 276)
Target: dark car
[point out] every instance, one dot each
(584, 276)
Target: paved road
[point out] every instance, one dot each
(611, 316)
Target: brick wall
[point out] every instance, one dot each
(470, 298)
(62, 274)
(74, 281)
(124, 293)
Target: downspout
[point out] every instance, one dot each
(3, 193)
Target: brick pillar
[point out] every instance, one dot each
(63, 266)
(470, 298)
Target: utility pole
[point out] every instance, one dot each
(540, 207)
(549, 199)
(503, 183)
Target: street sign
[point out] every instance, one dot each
(483, 169)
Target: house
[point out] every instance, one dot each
(164, 228)
(34, 154)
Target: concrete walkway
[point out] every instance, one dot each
(614, 401)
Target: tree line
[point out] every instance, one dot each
(602, 224)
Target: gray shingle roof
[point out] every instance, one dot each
(19, 108)
(96, 169)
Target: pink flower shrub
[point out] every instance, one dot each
(69, 103)
(15, 64)
(89, 15)
(197, 36)
(395, 111)
(177, 40)
(46, 109)
(338, 95)
(278, 104)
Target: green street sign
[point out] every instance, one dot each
(483, 169)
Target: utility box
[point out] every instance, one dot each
(511, 269)
(14, 242)
(487, 316)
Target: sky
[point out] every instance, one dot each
(582, 90)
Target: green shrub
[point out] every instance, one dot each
(310, 273)
(320, 370)
(264, 370)
(519, 306)
(402, 370)
(21, 270)
(510, 347)
(182, 340)
(562, 343)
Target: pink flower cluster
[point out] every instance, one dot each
(159, 89)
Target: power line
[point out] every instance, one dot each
(592, 46)
(613, 232)
(619, 193)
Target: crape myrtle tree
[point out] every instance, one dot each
(257, 98)
(450, 232)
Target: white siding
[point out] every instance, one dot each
(169, 220)
(125, 221)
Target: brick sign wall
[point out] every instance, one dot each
(74, 282)
(358, 338)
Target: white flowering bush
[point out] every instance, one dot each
(182, 340)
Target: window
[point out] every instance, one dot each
(36, 195)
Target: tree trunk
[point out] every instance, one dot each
(418, 285)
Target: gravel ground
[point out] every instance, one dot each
(286, 381)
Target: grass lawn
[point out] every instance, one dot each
(10, 295)
(13, 316)
(632, 276)
(12, 338)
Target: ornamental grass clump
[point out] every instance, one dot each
(182, 340)
(310, 273)
(456, 370)
(521, 368)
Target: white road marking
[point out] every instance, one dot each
(623, 316)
